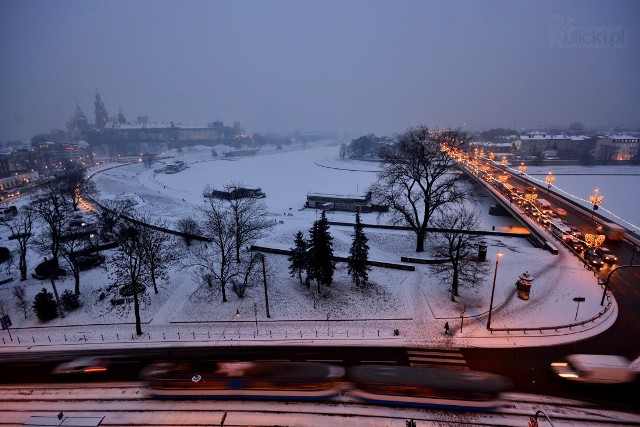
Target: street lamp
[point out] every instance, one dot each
(492, 156)
(550, 180)
(522, 168)
(493, 289)
(596, 198)
(504, 161)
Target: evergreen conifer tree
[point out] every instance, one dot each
(44, 305)
(359, 255)
(298, 257)
(320, 265)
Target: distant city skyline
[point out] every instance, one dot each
(352, 67)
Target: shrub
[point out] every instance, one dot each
(5, 254)
(44, 306)
(70, 301)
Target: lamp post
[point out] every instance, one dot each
(504, 161)
(264, 278)
(493, 289)
(522, 168)
(492, 156)
(596, 198)
(550, 180)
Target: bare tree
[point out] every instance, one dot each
(74, 185)
(457, 241)
(214, 260)
(160, 250)
(20, 227)
(249, 217)
(71, 247)
(148, 159)
(54, 210)
(111, 216)
(130, 266)
(20, 294)
(189, 227)
(415, 179)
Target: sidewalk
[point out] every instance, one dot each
(370, 332)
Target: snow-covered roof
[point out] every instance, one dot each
(543, 136)
(152, 125)
(618, 137)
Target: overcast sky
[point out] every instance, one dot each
(343, 65)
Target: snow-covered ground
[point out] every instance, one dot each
(416, 303)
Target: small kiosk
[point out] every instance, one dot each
(524, 285)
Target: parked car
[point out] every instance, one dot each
(544, 220)
(606, 255)
(82, 366)
(593, 259)
(561, 211)
(575, 244)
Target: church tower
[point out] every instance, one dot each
(101, 112)
(78, 125)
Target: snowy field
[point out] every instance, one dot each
(416, 303)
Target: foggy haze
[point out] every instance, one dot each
(347, 66)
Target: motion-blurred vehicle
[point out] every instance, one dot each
(593, 259)
(595, 368)
(244, 380)
(606, 255)
(575, 244)
(427, 387)
(82, 366)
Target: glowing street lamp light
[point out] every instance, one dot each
(530, 197)
(503, 178)
(550, 180)
(596, 199)
(522, 168)
(492, 156)
(493, 289)
(594, 240)
(504, 161)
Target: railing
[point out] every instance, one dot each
(556, 328)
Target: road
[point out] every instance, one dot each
(528, 368)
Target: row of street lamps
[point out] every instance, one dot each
(592, 240)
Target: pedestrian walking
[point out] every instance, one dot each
(446, 328)
(493, 228)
